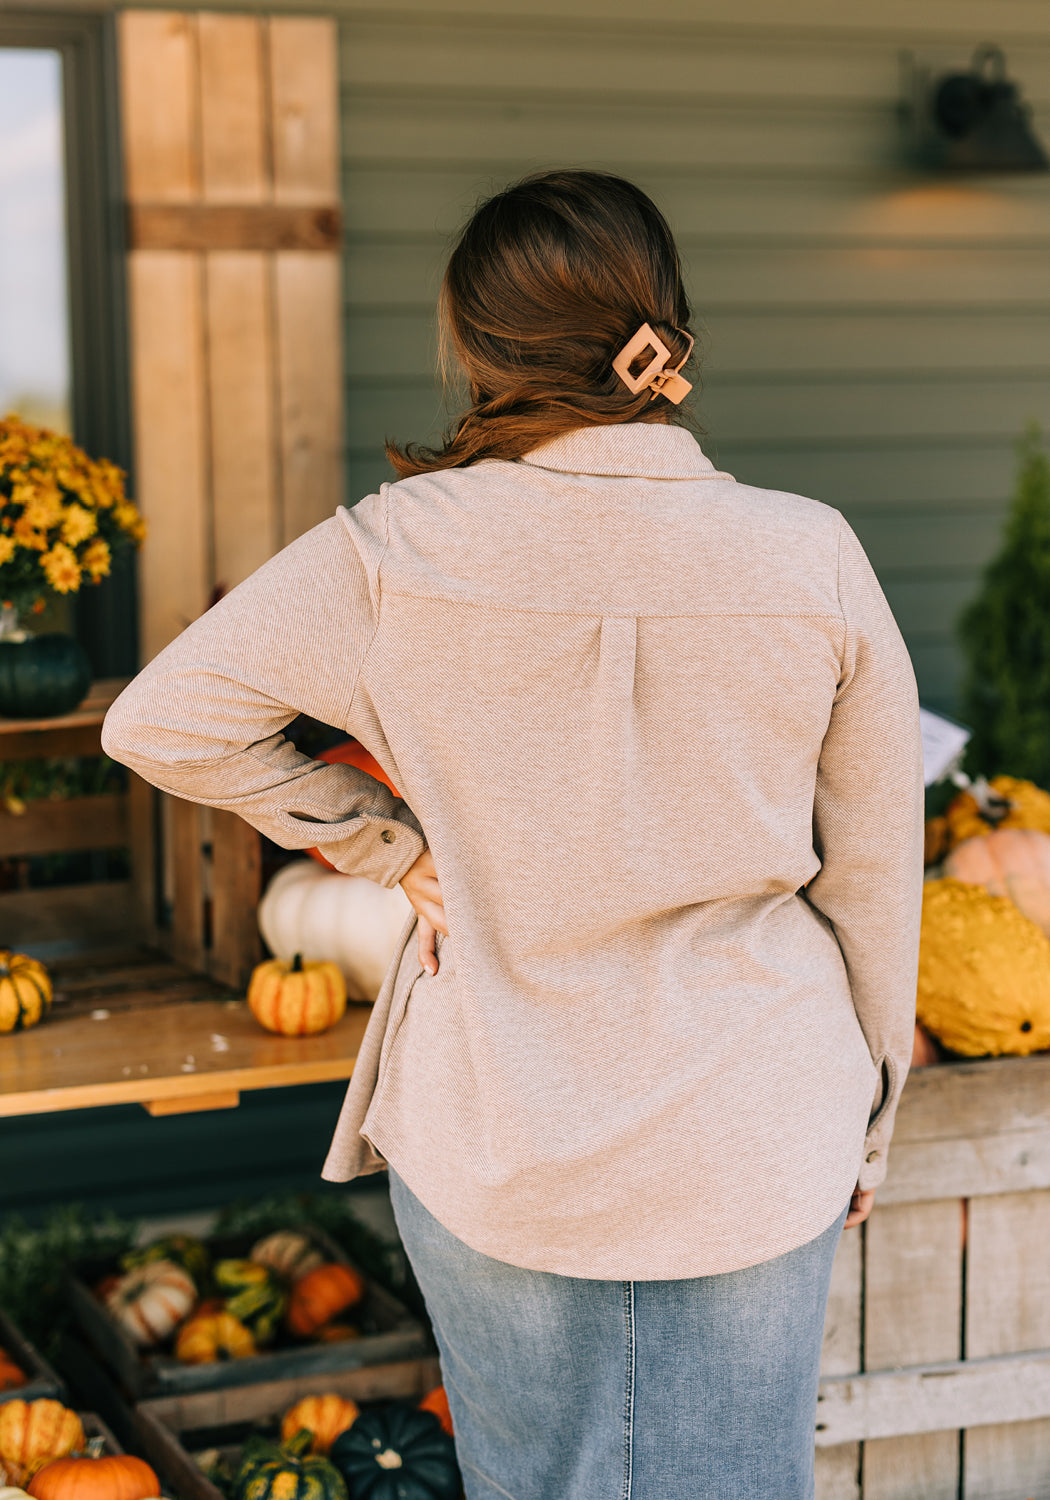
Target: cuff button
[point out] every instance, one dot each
(387, 836)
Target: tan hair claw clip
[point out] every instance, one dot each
(664, 382)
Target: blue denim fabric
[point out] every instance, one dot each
(569, 1389)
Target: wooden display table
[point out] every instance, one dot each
(138, 1029)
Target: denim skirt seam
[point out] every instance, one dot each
(628, 1397)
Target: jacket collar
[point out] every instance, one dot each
(630, 450)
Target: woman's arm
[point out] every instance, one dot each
(203, 720)
(868, 827)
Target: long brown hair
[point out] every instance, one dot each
(546, 283)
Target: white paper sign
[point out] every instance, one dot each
(943, 741)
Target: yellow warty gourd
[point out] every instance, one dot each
(984, 973)
(1031, 809)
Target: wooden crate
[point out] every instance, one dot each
(391, 1335)
(42, 1379)
(164, 1428)
(936, 1372)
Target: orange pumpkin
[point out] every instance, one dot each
(324, 1417)
(32, 1433)
(322, 1295)
(436, 1401)
(1010, 862)
(95, 1475)
(296, 999)
(211, 1335)
(351, 753)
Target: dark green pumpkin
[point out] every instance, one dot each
(42, 676)
(286, 1471)
(399, 1453)
(253, 1294)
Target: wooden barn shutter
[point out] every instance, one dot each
(231, 162)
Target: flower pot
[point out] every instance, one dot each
(41, 676)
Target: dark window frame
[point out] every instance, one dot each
(106, 618)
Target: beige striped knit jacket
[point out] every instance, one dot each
(660, 733)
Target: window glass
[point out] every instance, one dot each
(34, 311)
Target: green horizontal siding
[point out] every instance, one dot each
(870, 338)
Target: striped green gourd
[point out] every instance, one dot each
(253, 1294)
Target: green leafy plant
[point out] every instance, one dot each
(33, 1260)
(1005, 635)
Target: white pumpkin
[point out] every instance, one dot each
(152, 1300)
(287, 1252)
(343, 919)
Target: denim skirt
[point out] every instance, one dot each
(563, 1388)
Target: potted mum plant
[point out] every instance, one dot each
(63, 516)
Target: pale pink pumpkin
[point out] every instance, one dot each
(1010, 862)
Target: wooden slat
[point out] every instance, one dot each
(159, 86)
(931, 1398)
(838, 1469)
(238, 226)
(196, 1104)
(308, 289)
(76, 823)
(144, 829)
(188, 935)
(188, 1049)
(167, 357)
(236, 889)
(1008, 1309)
(913, 1315)
(234, 135)
(305, 95)
(240, 391)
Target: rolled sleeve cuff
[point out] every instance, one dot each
(380, 848)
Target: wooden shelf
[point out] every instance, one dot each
(142, 1030)
(68, 734)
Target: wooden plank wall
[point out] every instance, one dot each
(871, 338)
(230, 145)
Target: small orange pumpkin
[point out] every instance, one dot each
(32, 1433)
(436, 1401)
(95, 1475)
(297, 999)
(324, 1417)
(322, 1295)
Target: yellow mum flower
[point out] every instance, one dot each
(44, 510)
(26, 535)
(7, 549)
(78, 525)
(62, 569)
(95, 560)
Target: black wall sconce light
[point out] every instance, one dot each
(970, 122)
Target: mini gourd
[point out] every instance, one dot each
(212, 1336)
(289, 1253)
(25, 991)
(151, 1301)
(324, 1417)
(321, 1296)
(286, 1471)
(253, 1294)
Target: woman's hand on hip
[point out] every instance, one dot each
(860, 1206)
(420, 885)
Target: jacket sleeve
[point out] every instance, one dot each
(203, 720)
(868, 834)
